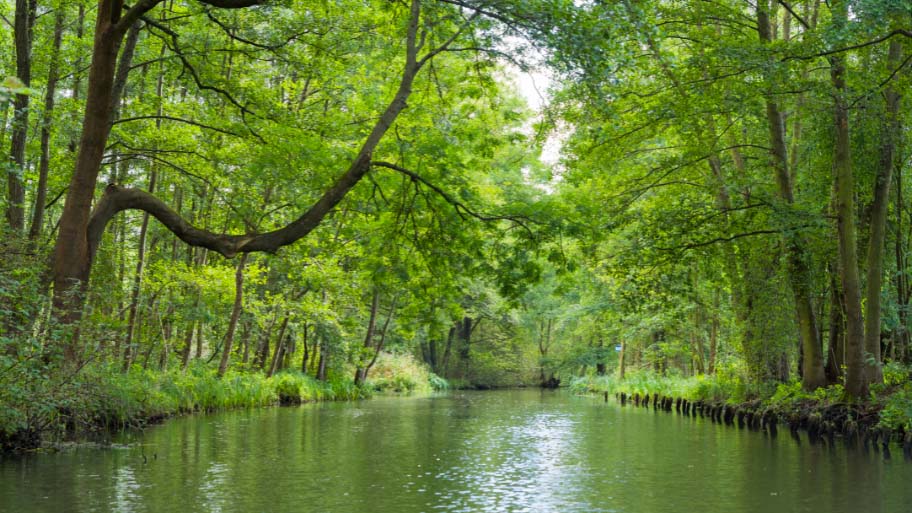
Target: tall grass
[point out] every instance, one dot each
(725, 385)
(102, 397)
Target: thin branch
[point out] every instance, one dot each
(461, 209)
(448, 42)
(228, 32)
(795, 14)
(897, 32)
(717, 240)
(180, 120)
(884, 83)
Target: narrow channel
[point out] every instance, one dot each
(501, 451)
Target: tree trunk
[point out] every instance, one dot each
(132, 318)
(235, 314)
(304, 358)
(621, 359)
(245, 339)
(812, 374)
(47, 119)
(279, 348)
(544, 343)
(714, 334)
(24, 22)
(324, 357)
(77, 71)
(262, 354)
(890, 131)
(901, 280)
(836, 348)
(188, 345)
(383, 331)
(360, 369)
(200, 330)
(448, 349)
(600, 367)
(856, 380)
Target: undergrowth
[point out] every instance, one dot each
(893, 398)
(40, 405)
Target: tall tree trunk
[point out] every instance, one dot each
(360, 370)
(188, 345)
(262, 354)
(324, 359)
(71, 255)
(304, 358)
(600, 367)
(24, 22)
(622, 359)
(235, 314)
(544, 344)
(447, 350)
(890, 131)
(432, 355)
(245, 339)
(856, 380)
(77, 72)
(713, 334)
(383, 331)
(136, 290)
(47, 119)
(901, 280)
(279, 348)
(812, 373)
(836, 347)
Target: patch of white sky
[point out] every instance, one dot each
(534, 82)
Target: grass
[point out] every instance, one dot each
(115, 399)
(36, 405)
(892, 399)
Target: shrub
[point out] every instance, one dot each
(401, 373)
(897, 411)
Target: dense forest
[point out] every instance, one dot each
(217, 203)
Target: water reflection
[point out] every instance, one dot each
(511, 451)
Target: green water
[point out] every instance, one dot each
(511, 451)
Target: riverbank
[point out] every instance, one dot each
(99, 400)
(824, 414)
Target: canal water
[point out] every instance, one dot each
(503, 451)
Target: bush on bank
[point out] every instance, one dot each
(891, 401)
(38, 404)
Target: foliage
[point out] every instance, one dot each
(101, 396)
(897, 410)
(403, 373)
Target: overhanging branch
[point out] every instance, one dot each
(461, 209)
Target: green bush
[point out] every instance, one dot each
(402, 373)
(895, 373)
(897, 411)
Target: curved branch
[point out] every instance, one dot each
(117, 199)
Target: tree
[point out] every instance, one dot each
(81, 227)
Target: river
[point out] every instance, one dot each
(509, 451)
